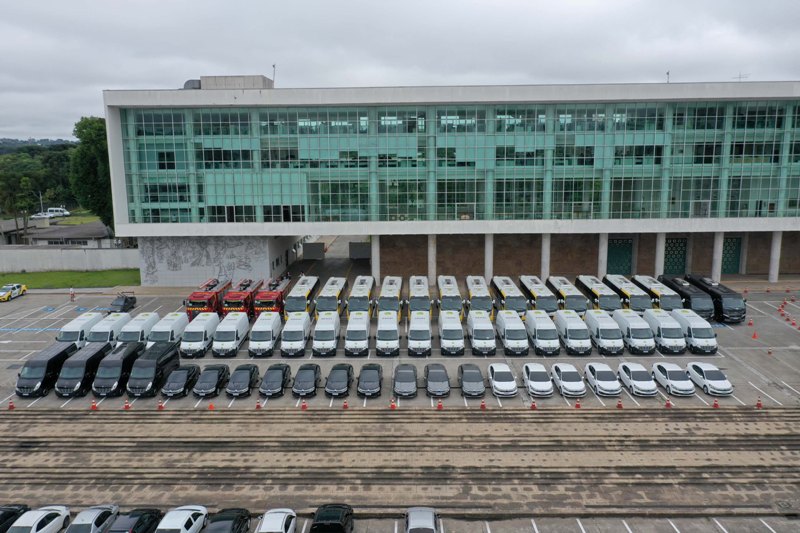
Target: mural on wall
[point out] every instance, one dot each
(223, 257)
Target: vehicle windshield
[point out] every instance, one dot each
(472, 375)
(570, 376)
(208, 377)
(358, 303)
(129, 336)
(419, 334)
(575, 302)
(261, 335)
(609, 302)
(715, 375)
(324, 335)
(670, 302)
(481, 303)
(356, 335)
(32, 371)
(503, 376)
(178, 377)
(641, 333)
(388, 303)
(159, 336)
(419, 303)
(733, 302)
(452, 303)
(273, 377)
(437, 374)
(546, 303)
(97, 336)
(19, 529)
(539, 375)
(641, 375)
(235, 304)
(671, 333)
(639, 302)
(702, 303)
(293, 335)
(68, 336)
(225, 336)
(610, 334)
(368, 376)
(516, 334)
(193, 336)
(452, 334)
(605, 375)
(677, 375)
(240, 377)
(72, 372)
(305, 376)
(295, 304)
(267, 304)
(338, 375)
(483, 334)
(405, 376)
(196, 303)
(80, 528)
(702, 333)
(327, 303)
(387, 335)
(516, 303)
(109, 371)
(145, 371)
(546, 334)
(7, 288)
(577, 334)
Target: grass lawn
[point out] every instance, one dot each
(78, 216)
(64, 279)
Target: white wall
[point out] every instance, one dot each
(45, 258)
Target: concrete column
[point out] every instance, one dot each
(689, 243)
(635, 255)
(666, 165)
(725, 166)
(716, 258)
(488, 256)
(661, 243)
(602, 255)
(549, 151)
(372, 162)
(743, 253)
(775, 256)
(783, 178)
(375, 258)
(545, 268)
(432, 259)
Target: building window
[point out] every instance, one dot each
(638, 155)
(166, 160)
(149, 123)
(755, 152)
(218, 159)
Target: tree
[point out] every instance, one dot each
(19, 176)
(90, 177)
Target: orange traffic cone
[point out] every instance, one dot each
(344, 405)
(716, 404)
(304, 405)
(393, 405)
(794, 322)
(619, 403)
(94, 405)
(11, 405)
(258, 405)
(211, 406)
(160, 405)
(750, 322)
(127, 406)
(578, 403)
(755, 335)
(533, 405)
(759, 405)
(483, 405)
(768, 290)
(439, 405)
(745, 290)
(769, 351)
(668, 403)
(793, 298)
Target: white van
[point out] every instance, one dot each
(138, 328)
(542, 333)
(512, 332)
(419, 334)
(57, 212)
(198, 335)
(572, 332)
(168, 329)
(636, 334)
(78, 329)
(700, 338)
(107, 329)
(387, 337)
(231, 334)
(326, 334)
(480, 332)
(604, 332)
(666, 330)
(264, 335)
(451, 334)
(356, 337)
(295, 334)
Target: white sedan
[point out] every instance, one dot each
(537, 381)
(602, 379)
(278, 521)
(97, 519)
(185, 519)
(673, 378)
(502, 380)
(50, 519)
(637, 379)
(709, 378)
(567, 380)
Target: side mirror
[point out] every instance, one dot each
(502, 302)
(339, 302)
(715, 335)
(596, 300)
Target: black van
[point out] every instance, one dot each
(729, 306)
(78, 371)
(693, 298)
(40, 372)
(151, 369)
(114, 370)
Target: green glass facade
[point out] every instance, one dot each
(463, 162)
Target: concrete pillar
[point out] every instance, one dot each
(716, 257)
(743, 253)
(545, 268)
(635, 255)
(432, 259)
(602, 255)
(488, 256)
(375, 258)
(372, 163)
(689, 243)
(661, 243)
(775, 256)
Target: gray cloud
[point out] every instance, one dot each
(56, 57)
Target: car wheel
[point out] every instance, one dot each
(595, 391)
(66, 522)
(669, 390)
(705, 389)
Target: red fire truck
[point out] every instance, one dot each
(241, 296)
(271, 297)
(208, 297)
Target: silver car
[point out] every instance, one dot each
(422, 520)
(97, 519)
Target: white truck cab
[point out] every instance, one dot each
(604, 332)
(138, 328)
(76, 330)
(480, 332)
(451, 334)
(666, 330)
(700, 338)
(387, 337)
(572, 332)
(636, 333)
(199, 334)
(356, 336)
(230, 334)
(168, 329)
(542, 333)
(295, 334)
(326, 334)
(419, 334)
(512, 333)
(264, 334)
(107, 329)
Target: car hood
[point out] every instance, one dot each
(405, 386)
(722, 384)
(438, 385)
(473, 386)
(336, 383)
(368, 383)
(505, 385)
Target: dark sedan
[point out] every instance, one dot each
(9, 514)
(180, 381)
(333, 518)
(369, 381)
(306, 380)
(212, 380)
(437, 382)
(229, 521)
(405, 381)
(470, 379)
(276, 379)
(124, 302)
(137, 521)
(339, 380)
(242, 381)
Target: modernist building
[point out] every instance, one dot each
(649, 178)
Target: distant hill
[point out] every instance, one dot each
(10, 145)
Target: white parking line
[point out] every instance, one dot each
(626, 527)
(701, 399)
(465, 402)
(165, 402)
(102, 400)
(781, 320)
(764, 393)
(632, 398)
(795, 390)
(305, 523)
(441, 526)
(498, 401)
(567, 401)
(598, 397)
(738, 400)
(297, 402)
(365, 401)
(488, 529)
(673, 526)
(580, 525)
(767, 525)
(198, 403)
(34, 401)
(395, 526)
(533, 523)
(178, 309)
(331, 402)
(719, 525)
(431, 401)
(65, 403)
(6, 398)
(231, 404)
(27, 355)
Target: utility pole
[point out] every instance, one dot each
(667, 76)
(273, 75)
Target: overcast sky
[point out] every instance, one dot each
(57, 56)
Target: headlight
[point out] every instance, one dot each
(149, 386)
(38, 386)
(114, 386)
(77, 386)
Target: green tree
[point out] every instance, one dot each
(16, 197)
(90, 177)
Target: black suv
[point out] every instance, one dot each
(229, 521)
(333, 518)
(124, 302)
(137, 521)
(9, 515)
